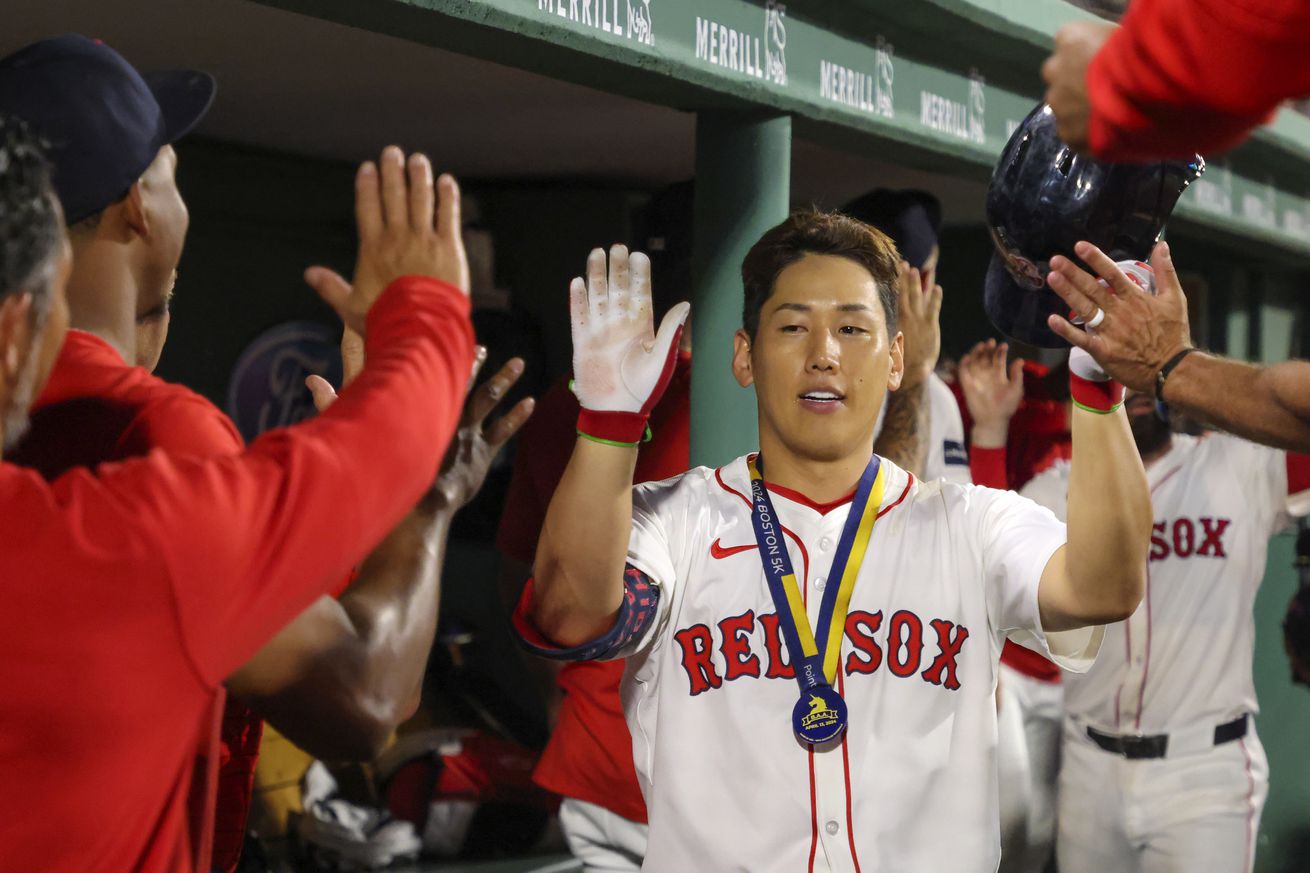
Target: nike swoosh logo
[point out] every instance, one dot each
(718, 552)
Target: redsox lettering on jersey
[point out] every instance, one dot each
(748, 645)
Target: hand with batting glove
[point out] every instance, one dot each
(621, 366)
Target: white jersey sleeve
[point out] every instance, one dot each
(948, 459)
(1017, 538)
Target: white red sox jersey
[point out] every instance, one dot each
(709, 687)
(947, 457)
(1183, 659)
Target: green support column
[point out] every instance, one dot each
(743, 184)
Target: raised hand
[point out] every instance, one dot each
(1065, 73)
(1137, 332)
(992, 391)
(475, 444)
(918, 316)
(408, 226)
(620, 364)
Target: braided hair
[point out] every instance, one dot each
(31, 226)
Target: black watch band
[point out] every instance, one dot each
(1168, 368)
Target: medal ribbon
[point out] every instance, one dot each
(815, 659)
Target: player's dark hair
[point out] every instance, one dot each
(30, 219)
(821, 233)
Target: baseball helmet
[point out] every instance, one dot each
(1044, 198)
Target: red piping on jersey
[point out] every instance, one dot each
(1250, 806)
(797, 497)
(814, 813)
(889, 508)
(1128, 661)
(846, 769)
(1146, 668)
(1128, 635)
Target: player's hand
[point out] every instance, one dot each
(1140, 331)
(918, 314)
(619, 363)
(408, 226)
(476, 443)
(992, 391)
(1065, 74)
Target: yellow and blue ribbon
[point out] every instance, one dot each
(816, 657)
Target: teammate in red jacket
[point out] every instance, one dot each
(114, 657)
(1179, 77)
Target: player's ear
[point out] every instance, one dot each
(896, 350)
(741, 359)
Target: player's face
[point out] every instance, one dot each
(821, 361)
(168, 221)
(1150, 432)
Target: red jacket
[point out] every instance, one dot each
(114, 655)
(1186, 76)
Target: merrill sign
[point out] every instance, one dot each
(625, 18)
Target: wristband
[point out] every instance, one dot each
(1101, 397)
(1168, 368)
(625, 429)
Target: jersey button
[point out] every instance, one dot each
(819, 583)
(831, 827)
(825, 544)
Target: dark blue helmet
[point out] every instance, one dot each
(1044, 198)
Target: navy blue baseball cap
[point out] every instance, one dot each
(104, 122)
(911, 218)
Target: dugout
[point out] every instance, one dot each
(562, 117)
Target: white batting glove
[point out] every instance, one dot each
(620, 365)
(1084, 366)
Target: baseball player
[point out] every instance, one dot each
(812, 633)
(1162, 767)
(588, 761)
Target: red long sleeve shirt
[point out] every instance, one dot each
(113, 654)
(95, 409)
(1186, 76)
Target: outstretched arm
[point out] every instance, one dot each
(620, 370)
(341, 677)
(1100, 574)
(1142, 333)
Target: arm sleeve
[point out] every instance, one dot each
(1182, 76)
(281, 524)
(636, 612)
(649, 582)
(183, 425)
(1017, 538)
(988, 467)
